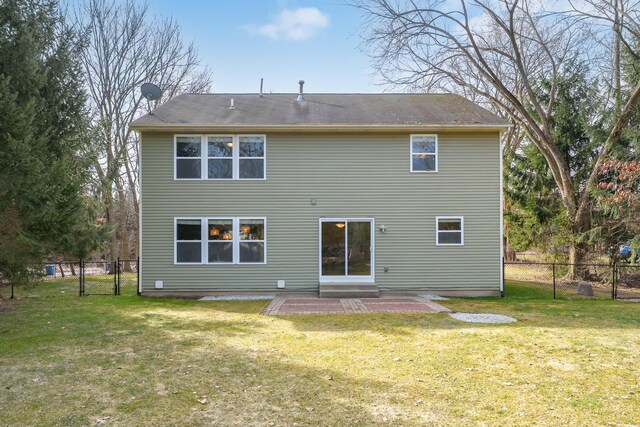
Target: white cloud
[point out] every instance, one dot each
(296, 24)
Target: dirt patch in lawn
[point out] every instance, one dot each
(6, 305)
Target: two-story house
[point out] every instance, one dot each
(346, 194)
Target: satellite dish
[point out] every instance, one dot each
(150, 91)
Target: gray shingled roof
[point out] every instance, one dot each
(320, 110)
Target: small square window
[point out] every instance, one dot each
(449, 231)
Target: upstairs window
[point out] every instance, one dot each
(188, 157)
(251, 152)
(220, 157)
(450, 231)
(424, 153)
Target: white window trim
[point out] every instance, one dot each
(461, 218)
(204, 240)
(347, 278)
(205, 250)
(205, 147)
(175, 240)
(175, 158)
(204, 157)
(411, 153)
(236, 156)
(236, 248)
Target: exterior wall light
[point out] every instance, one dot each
(382, 228)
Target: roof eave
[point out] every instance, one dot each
(316, 128)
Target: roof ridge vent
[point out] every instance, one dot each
(301, 93)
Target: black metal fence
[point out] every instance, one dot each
(627, 281)
(78, 278)
(554, 280)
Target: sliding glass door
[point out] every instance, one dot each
(346, 249)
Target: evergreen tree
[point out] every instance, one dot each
(43, 144)
(537, 217)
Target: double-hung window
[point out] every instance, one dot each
(188, 157)
(188, 241)
(220, 157)
(220, 246)
(251, 240)
(251, 157)
(220, 240)
(424, 153)
(450, 231)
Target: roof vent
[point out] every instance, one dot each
(300, 95)
(232, 104)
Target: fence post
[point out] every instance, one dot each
(80, 278)
(118, 274)
(614, 273)
(11, 289)
(553, 269)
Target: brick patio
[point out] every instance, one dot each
(283, 305)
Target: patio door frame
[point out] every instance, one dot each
(346, 278)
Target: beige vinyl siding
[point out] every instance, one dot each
(349, 175)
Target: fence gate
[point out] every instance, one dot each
(99, 278)
(119, 277)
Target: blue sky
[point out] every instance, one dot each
(281, 40)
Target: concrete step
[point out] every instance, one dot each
(353, 286)
(349, 290)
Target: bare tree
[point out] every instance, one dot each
(126, 47)
(499, 51)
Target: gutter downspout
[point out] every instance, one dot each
(501, 257)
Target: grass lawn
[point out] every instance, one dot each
(137, 361)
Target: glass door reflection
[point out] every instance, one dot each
(346, 249)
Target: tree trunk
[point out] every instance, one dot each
(578, 251)
(73, 269)
(61, 270)
(113, 238)
(508, 253)
(577, 256)
(124, 251)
